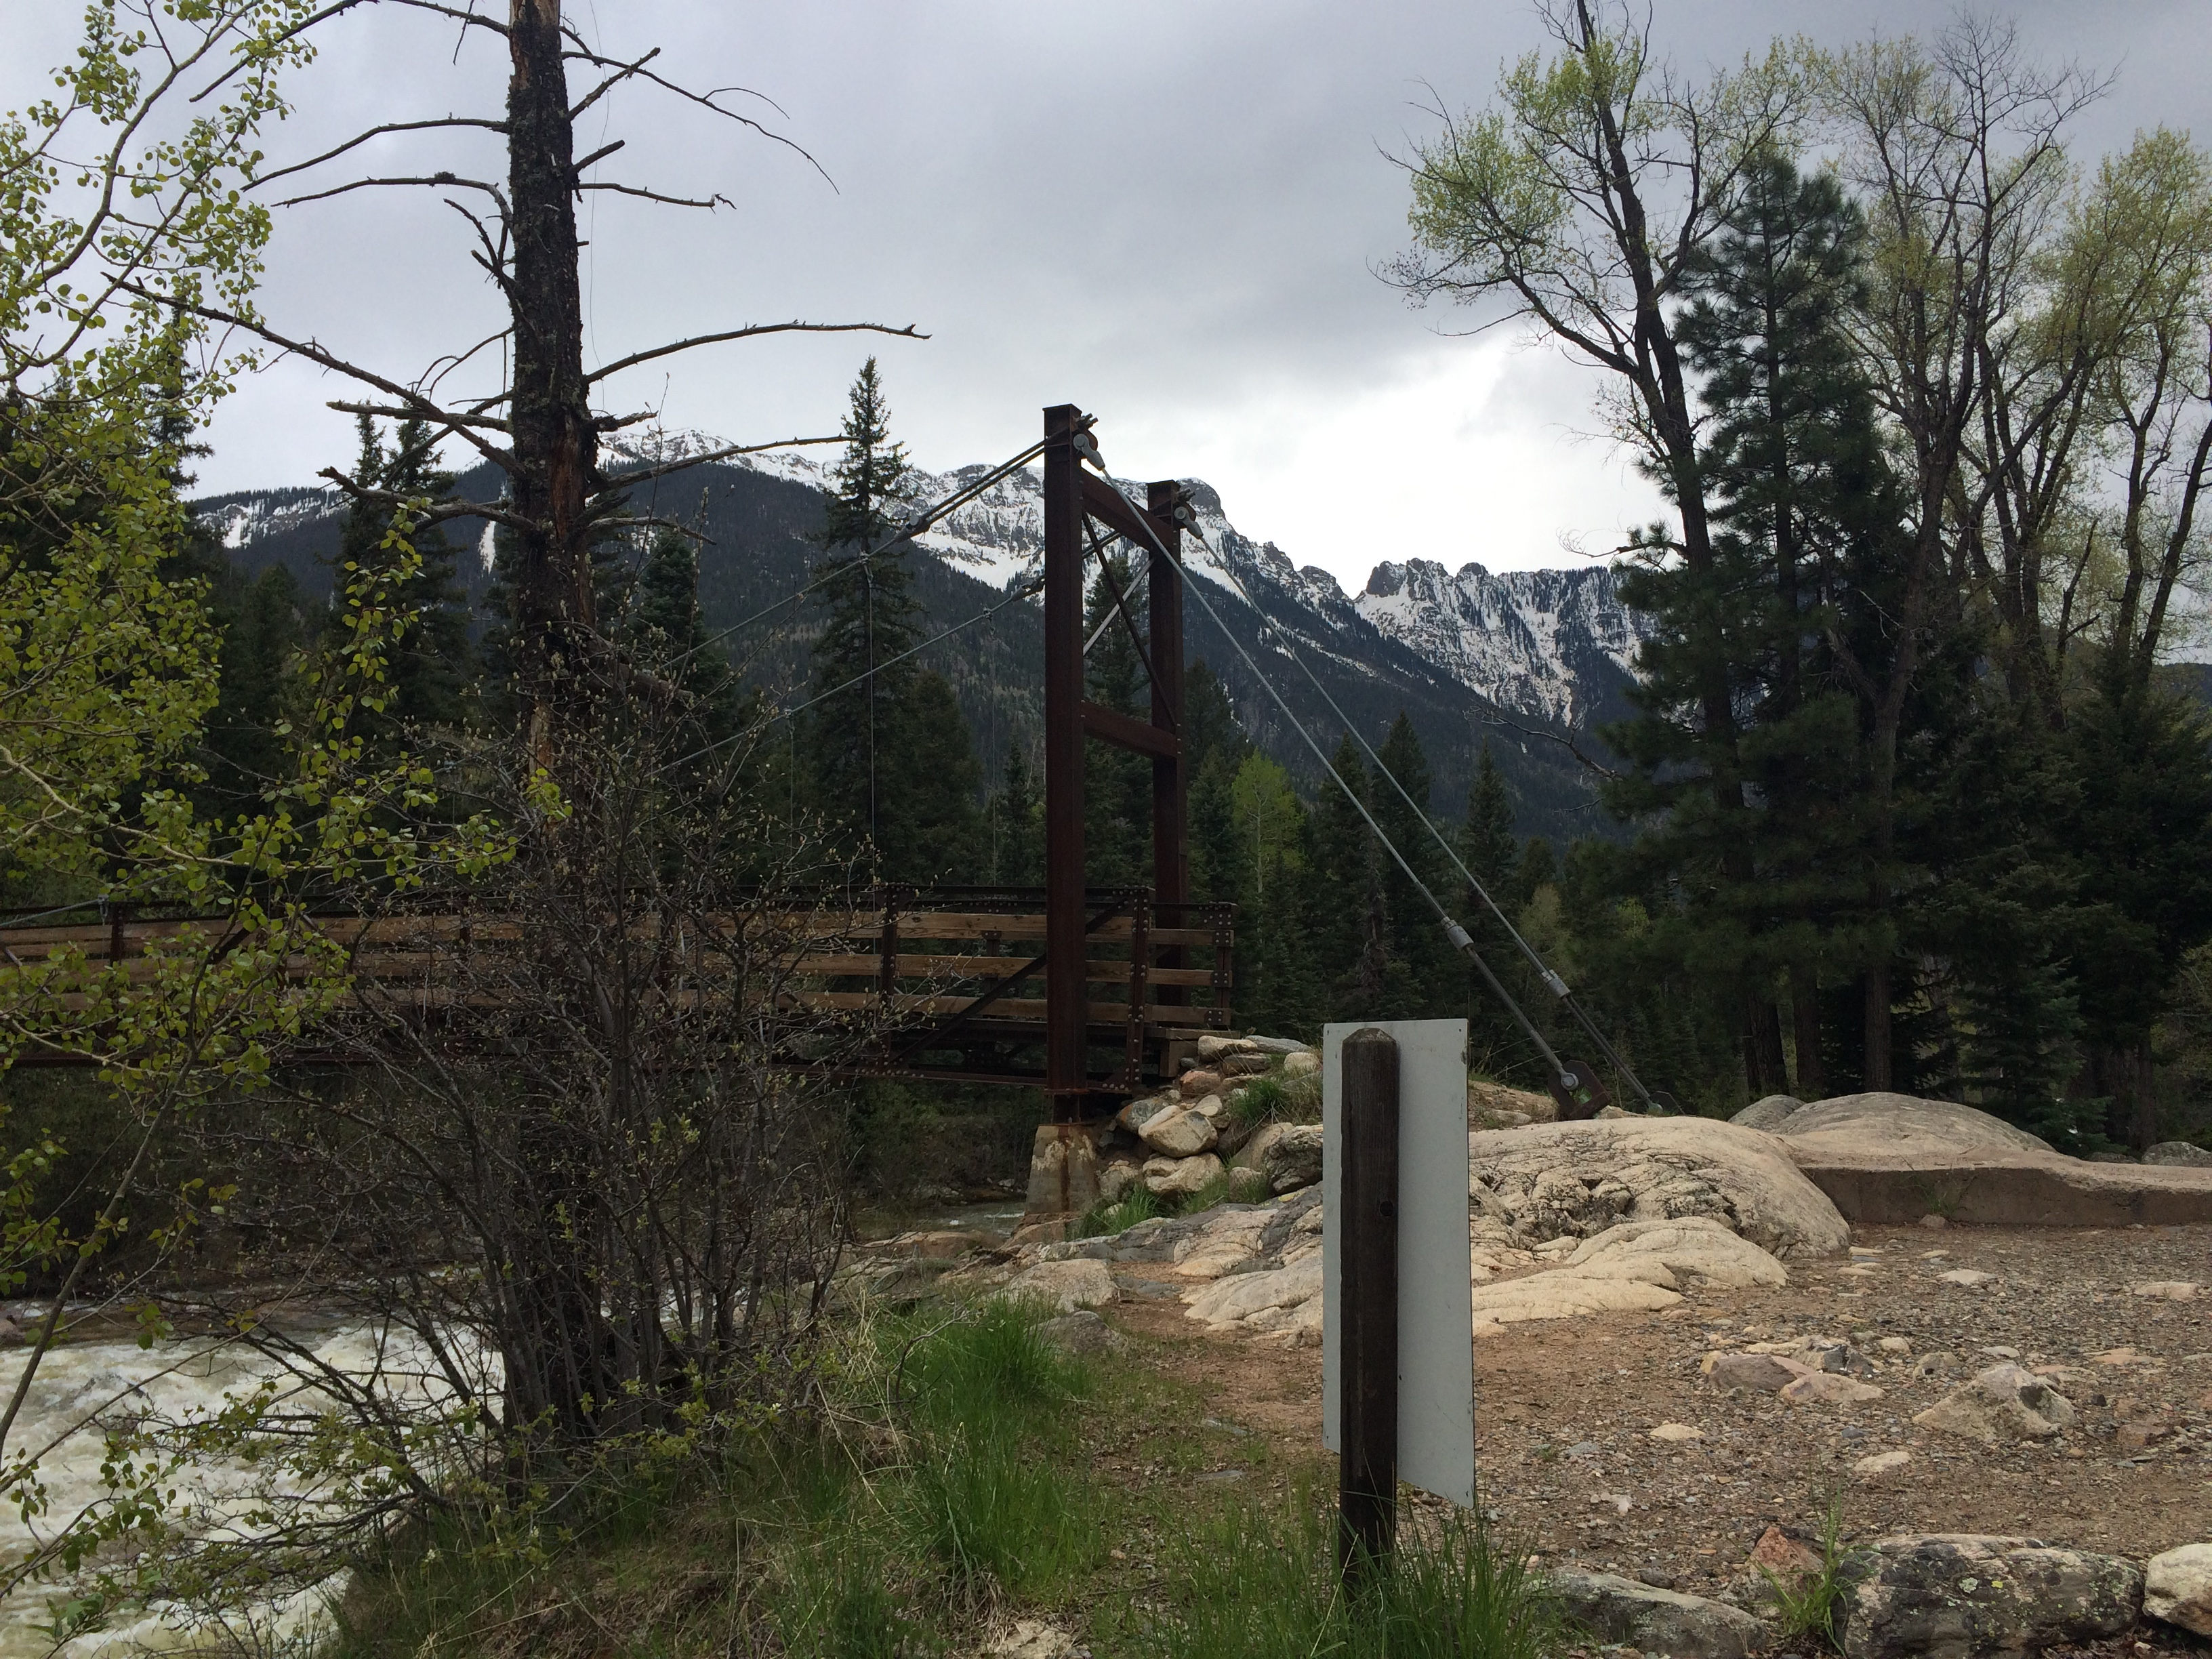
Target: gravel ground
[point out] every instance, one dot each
(1565, 1409)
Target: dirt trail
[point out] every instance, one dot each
(1564, 1409)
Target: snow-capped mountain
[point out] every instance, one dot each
(1552, 646)
(1546, 643)
(1472, 659)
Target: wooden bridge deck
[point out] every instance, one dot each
(956, 975)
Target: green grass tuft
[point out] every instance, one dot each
(1805, 1603)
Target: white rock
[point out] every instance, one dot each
(1881, 1462)
(1696, 1247)
(1549, 1179)
(1674, 1434)
(1116, 1179)
(2178, 1586)
(1971, 1277)
(1241, 1297)
(2003, 1403)
(1569, 1295)
(1304, 1063)
(1179, 1177)
(1178, 1134)
(2167, 1290)
(1221, 1244)
(1067, 1285)
(1828, 1389)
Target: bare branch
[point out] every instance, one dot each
(425, 409)
(1566, 741)
(710, 202)
(447, 179)
(446, 419)
(705, 100)
(909, 332)
(361, 138)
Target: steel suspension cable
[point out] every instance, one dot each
(1552, 982)
(1457, 935)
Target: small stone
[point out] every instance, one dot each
(1029, 1639)
(1970, 1277)
(1765, 1373)
(1942, 1363)
(2141, 1436)
(1657, 1577)
(1304, 1063)
(1243, 1065)
(1675, 1434)
(1881, 1463)
(1896, 1345)
(1195, 1084)
(1081, 1333)
(2178, 1586)
(1067, 1285)
(2000, 1351)
(1935, 1224)
(1116, 1179)
(1137, 1113)
(1781, 1554)
(1829, 1388)
(1583, 1449)
(2167, 1289)
(1212, 1045)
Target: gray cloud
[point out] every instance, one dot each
(1169, 212)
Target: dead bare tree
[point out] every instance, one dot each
(541, 429)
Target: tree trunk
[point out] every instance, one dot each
(1764, 1066)
(555, 445)
(1878, 1073)
(1805, 1024)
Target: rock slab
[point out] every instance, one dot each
(2178, 1588)
(1619, 1610)
(2002, 1404)
(1957, 1595)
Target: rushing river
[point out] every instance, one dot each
(82, 1387)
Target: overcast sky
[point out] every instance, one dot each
(1169, 211)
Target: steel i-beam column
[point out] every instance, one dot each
(1067, 992)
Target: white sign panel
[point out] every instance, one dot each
(1436, 1311)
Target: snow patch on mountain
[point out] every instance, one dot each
(248, 516)
(1546, 643)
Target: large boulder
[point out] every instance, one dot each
(2179, 1154)
(1956, 1596)
(1619, 1611)
(1552, 1180)
(1768, 1113)
(2002, 1404)
(1179, 1134)
(1288, 1155)
(1180, 1177)
(1696, 1248)
(1067, 1285)
(1639, 1265)
(1890, 1159)
(2178, 1586)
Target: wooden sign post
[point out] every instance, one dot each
(1397, 1323)
(1367, 1491)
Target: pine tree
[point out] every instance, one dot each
(433, 667)
(1350, 915)
(1425, 977)
(1805, 519)
(1015, 823)
(890, 762)
(1117, 784)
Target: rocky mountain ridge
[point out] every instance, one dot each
(1512, 660)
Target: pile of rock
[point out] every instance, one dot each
(1188, 1138)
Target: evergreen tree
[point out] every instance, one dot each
(890, 762)
(1488, 849)
(433, 668)
(1424, 976)
(1761, 820)
(243, 749)
(1349, 923)
(1117, 784)
(1015, 823)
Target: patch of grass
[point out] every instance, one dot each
(1263, 1585)
(995, 1517)
(1137, 1203)
(1805, 1603)
(1261, 1101)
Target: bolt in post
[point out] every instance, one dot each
(1367, 1491)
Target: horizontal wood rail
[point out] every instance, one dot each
(961, 971)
